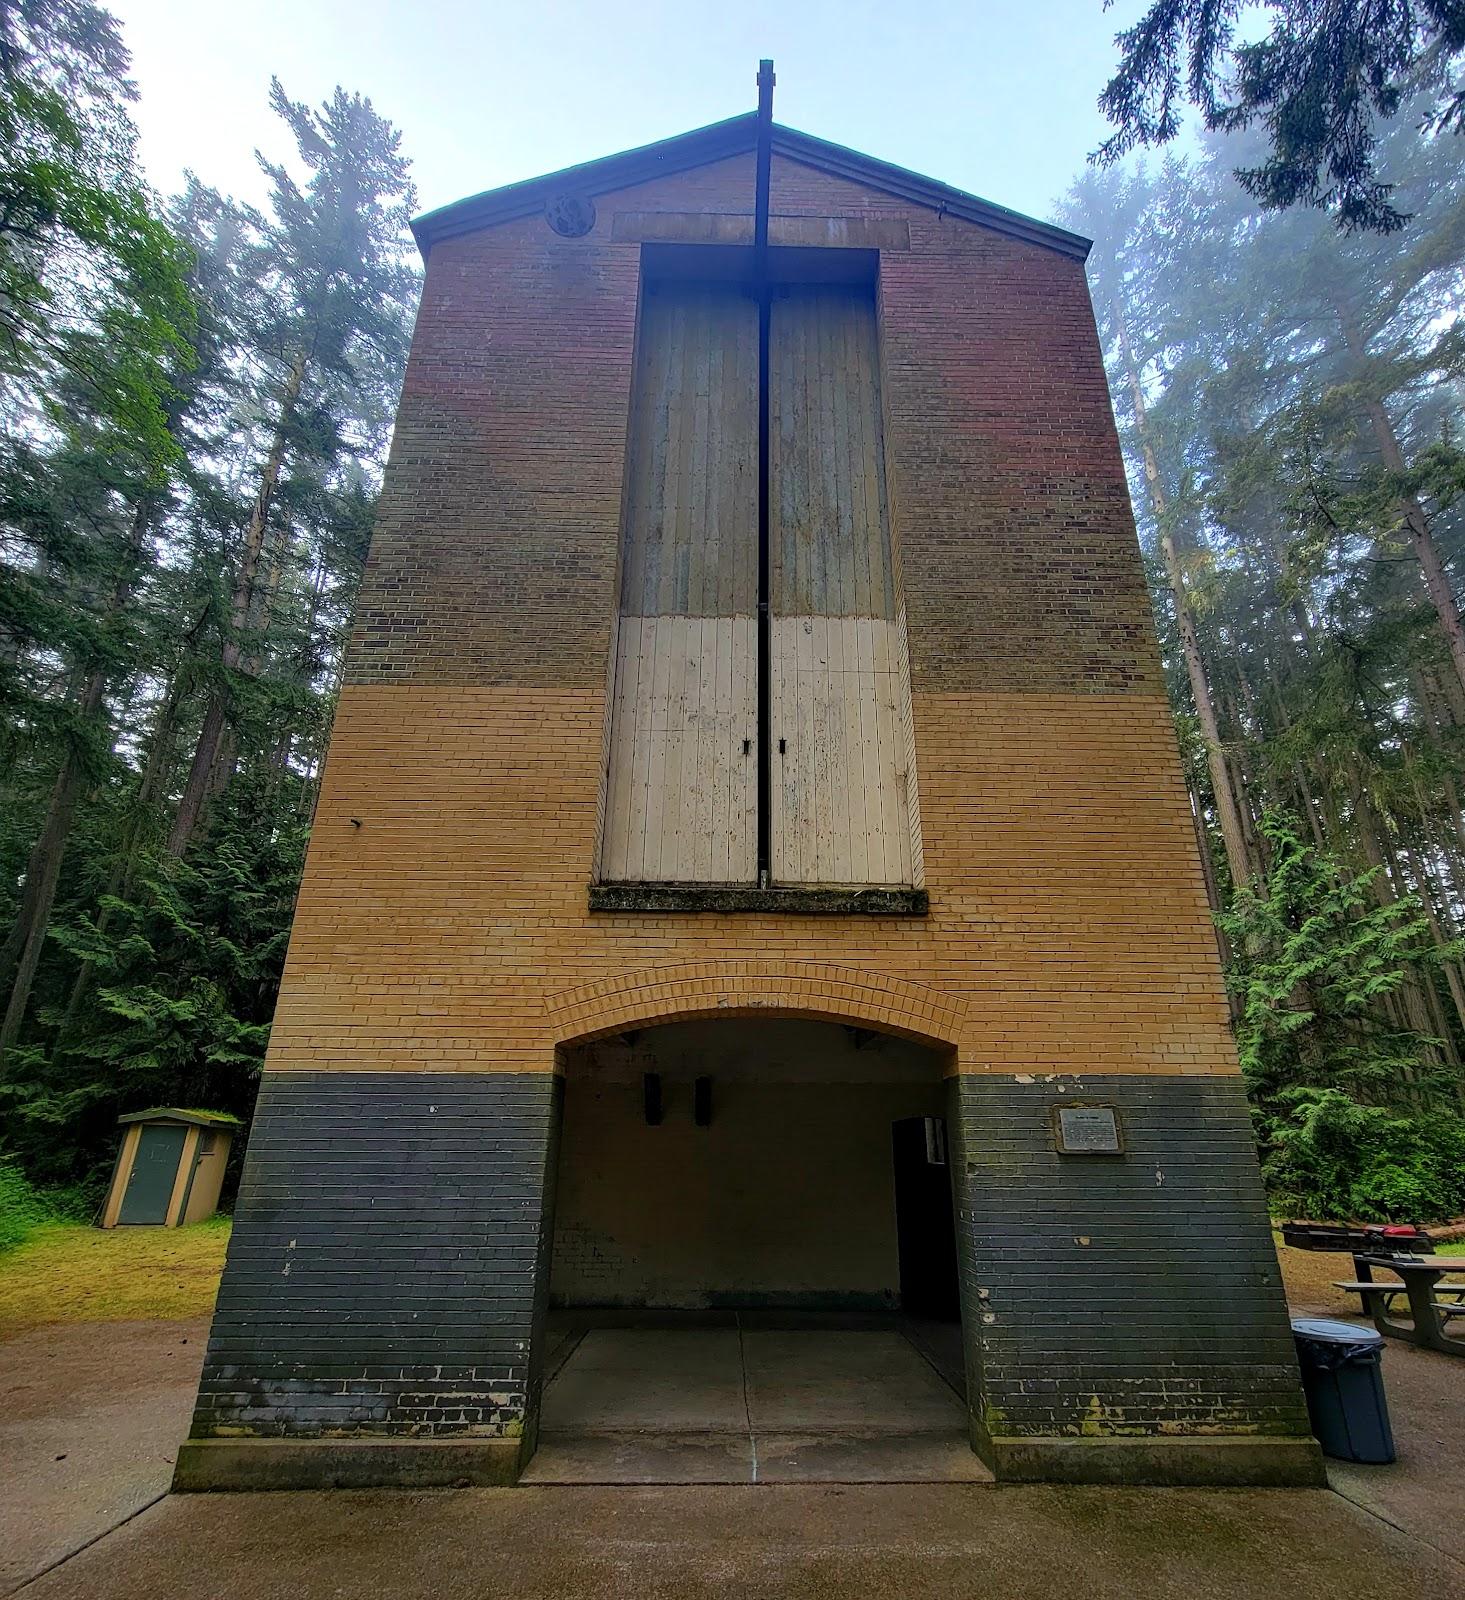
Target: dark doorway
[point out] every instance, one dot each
(154, 1170)
(924, 1225)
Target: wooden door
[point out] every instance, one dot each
(154, 1171)
(681, 796)
(681, 800)
(844, 808)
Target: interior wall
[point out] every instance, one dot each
(786, 1199)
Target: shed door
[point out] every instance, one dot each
(149, 1189)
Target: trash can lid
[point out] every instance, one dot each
(1328, 1331)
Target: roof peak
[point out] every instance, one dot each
(716, 142)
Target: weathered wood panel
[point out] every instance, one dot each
(844, 784)
(691, 536)
(681, 800)
(681, 791)
(828, 531)
(844, 808)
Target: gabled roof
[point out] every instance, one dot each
(716, 142)
(199, 1119)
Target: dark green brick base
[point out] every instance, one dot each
(381, 1313)
(1123, 1315)
(242, 1464)
(383, 1281)
(1216, 1463)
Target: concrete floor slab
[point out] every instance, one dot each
(882, 1457)
(825, 1382)
(694, 1405)
(671, 1381)
(642, 1458)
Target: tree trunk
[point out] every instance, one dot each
(149, 789)
(22, 952)
(1228, 813)
(201, 772)
(21, 955)
(1411, 510)
(1436, 580)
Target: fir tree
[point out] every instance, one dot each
(1319, 82)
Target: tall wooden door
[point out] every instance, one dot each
(681, 802)
(681, 794)
(154, 1170)
(844, 796)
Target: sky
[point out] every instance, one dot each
(995, 98)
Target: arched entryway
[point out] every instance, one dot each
(753, 1271)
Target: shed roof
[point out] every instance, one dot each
(202, 1119)
(716, 142)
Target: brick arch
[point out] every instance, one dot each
(820, 990)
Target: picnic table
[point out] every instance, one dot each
(1432, 1304)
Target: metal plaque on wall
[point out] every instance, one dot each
(1081, 1130)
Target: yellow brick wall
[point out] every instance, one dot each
(1068, 929)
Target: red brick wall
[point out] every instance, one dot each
(494, 559)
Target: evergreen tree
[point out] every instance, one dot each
(1286, 396)
(98, 325)
(329, 332)
(1319, 82)
(1346, 1123)
(91, 281)
(192, 621)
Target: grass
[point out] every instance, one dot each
(68, 1272)
(22, 1208)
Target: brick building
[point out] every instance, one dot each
(752, 826)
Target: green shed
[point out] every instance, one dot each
(170, 1167)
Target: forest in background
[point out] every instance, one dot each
(195, 402)
(196, 398)
(1288, 395)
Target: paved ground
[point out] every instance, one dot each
(1424, 1491)
(797, 1543)
(90, 1419)
(112, 1400)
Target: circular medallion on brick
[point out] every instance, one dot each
(570, 215)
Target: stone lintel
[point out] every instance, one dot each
(833, 902)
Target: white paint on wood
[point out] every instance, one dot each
(682, 796)
(844, 786)
(844, 782)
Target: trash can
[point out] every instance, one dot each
(1344, 1385)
